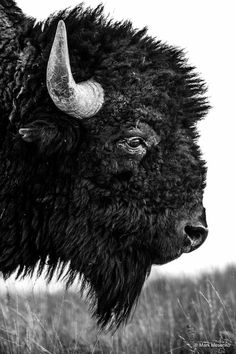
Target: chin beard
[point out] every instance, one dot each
(117, 289)
(112, 284)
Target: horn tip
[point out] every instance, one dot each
(61, 26)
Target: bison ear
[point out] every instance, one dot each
(50, 137)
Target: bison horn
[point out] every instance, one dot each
(81, 100)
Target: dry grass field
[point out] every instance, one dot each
(173, 316)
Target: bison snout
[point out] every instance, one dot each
(194, 236)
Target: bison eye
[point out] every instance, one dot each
(133, 145)
(135, 142)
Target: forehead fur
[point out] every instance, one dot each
(137, 72)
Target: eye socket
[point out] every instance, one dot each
(134, 142)
(133, 145)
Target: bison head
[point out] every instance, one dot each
(101, 173)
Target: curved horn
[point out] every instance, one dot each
(81, 100)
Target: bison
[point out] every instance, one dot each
(100, 172)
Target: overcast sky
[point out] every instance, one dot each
(206, 30)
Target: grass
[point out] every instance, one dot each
(173, 316)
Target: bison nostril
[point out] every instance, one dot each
(196, 235)
(195, 232)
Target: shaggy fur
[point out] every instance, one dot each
(76, 197)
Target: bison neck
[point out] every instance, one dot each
(48, 212)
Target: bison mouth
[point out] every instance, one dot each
(167, 258)
(194, 237)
